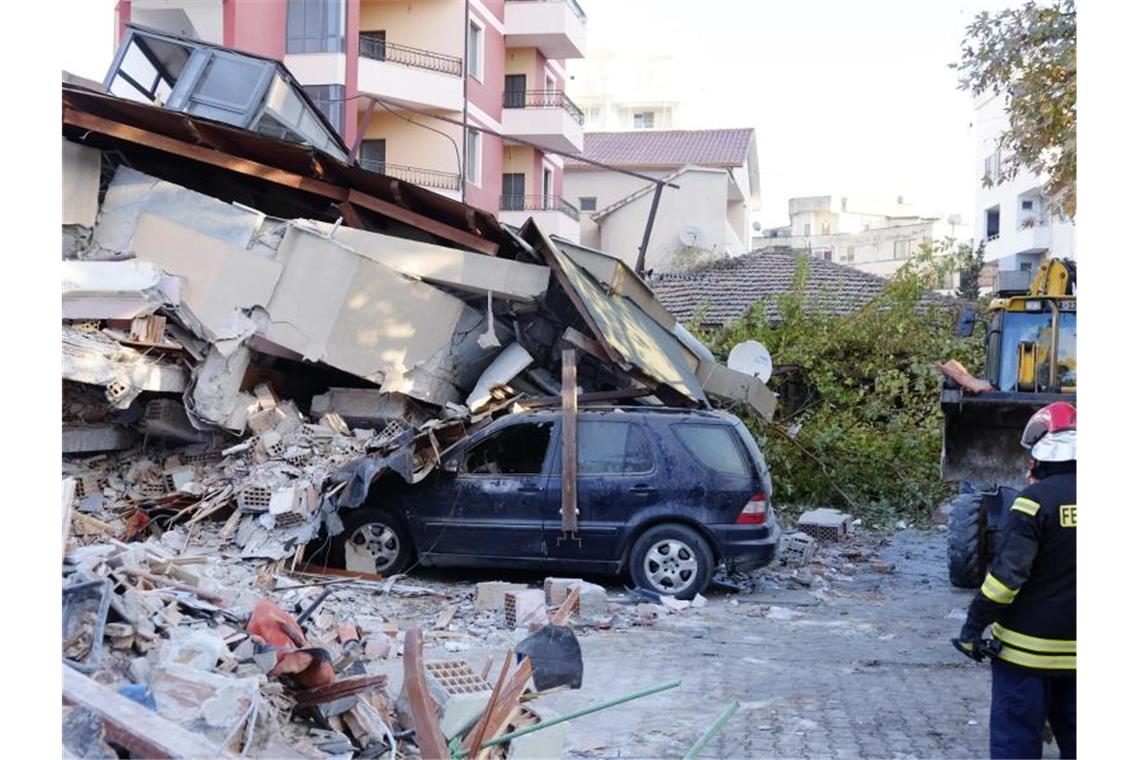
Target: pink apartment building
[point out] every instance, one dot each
(495, 64)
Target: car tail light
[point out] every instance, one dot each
(755, 512)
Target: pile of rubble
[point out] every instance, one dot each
(253, 332)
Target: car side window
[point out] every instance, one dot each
(612, 447)
(519, 449)
(714, 446)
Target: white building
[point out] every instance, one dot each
(873, 236)
(709, 216)
(1013, 217)
(618, 91)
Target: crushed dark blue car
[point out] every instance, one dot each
(665, 495)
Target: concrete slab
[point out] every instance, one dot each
(80, 183)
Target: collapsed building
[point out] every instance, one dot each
(254, 328)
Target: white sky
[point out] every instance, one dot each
(846, 96)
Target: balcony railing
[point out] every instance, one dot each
(543, 99)
(380, 50)
(537, 203)
(581, 14)
(422, 177)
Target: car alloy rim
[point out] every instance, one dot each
(670, 565)
(372, 548)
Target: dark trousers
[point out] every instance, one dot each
(1021, 702)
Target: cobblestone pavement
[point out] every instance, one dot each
(863, 669)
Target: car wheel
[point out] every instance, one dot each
(965, 545)
(673, 560)
(373, 541)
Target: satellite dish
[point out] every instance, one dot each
(751, 358)
(690, 236)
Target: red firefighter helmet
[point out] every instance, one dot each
(1051, 433)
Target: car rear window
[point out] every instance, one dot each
(612, 448)
(714, 446)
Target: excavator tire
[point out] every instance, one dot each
(966, 540)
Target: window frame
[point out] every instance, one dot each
(297, 45)
(543, 467)
(475, 62)
(475, 165)
(741, 449)
(582, 206)
(557, 466)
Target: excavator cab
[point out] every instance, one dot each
(1031, 361)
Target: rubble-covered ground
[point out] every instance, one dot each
(859, 665)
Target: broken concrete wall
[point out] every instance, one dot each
(132, 193)
(115, 289)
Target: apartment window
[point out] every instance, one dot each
(993, 222)
(474, 155)
(588, 203)
(992, 166)
(1027, 205)
(826, 228)
(807, 229)
(902, 249)
(475, 50)
(643, 120)
(514, 192)
(547, 184)
(330, 100)
(315, 26)
(849, 254)
(374, 154)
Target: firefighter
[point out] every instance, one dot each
(1030, 598)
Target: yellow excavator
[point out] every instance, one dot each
(1031, 361)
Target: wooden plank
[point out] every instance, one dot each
(363, 127)
(352, 216)
(439, 229)
(159, 580)
(475, 737)
(563, 613)
(338, 572)
(68, 498)
(143, 732)
(277, 176)
(429, 736)
(508, 702)
(569, 441)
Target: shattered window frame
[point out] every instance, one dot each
(513, 428)
(254, 93)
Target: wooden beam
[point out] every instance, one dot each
(429, 736)
(277, 176)
(352, 216)
(437, 228)
(130, 725)
(587, 398)
(569, 441)
(204, 155)
(362, 128)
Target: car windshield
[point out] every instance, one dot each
(1037, 327)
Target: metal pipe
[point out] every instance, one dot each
(640, 267)
(577, 714)
(1056, 343)
(712, 731)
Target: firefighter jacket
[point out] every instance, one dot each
(1030, 592)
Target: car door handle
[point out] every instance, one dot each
(529, 489)
(643, 489)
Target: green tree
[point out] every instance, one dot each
(867, 436)
(1028, 55)
(970, 271)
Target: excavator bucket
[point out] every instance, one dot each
(981, 441)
